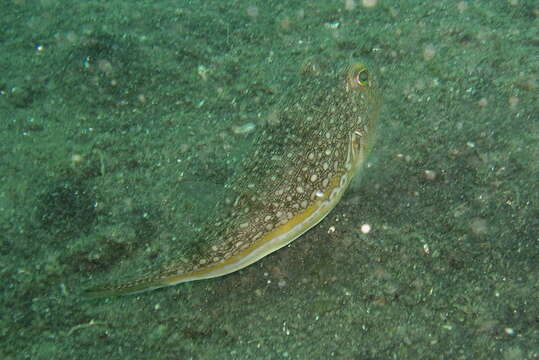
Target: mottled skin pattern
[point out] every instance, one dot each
(304, 159)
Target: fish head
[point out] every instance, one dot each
(360, 84)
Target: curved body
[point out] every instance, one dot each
(302, 164)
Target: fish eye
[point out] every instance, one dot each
(362, 77)
(358, 76)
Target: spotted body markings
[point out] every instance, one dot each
(303, 161)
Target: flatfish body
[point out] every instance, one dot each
(303, 161)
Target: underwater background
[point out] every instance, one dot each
(120, 121)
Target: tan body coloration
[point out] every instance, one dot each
(304, 160)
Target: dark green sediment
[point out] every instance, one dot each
(120, 124)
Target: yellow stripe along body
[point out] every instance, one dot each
(304, 160)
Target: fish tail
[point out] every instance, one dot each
(128, 288)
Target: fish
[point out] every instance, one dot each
(303, 159)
